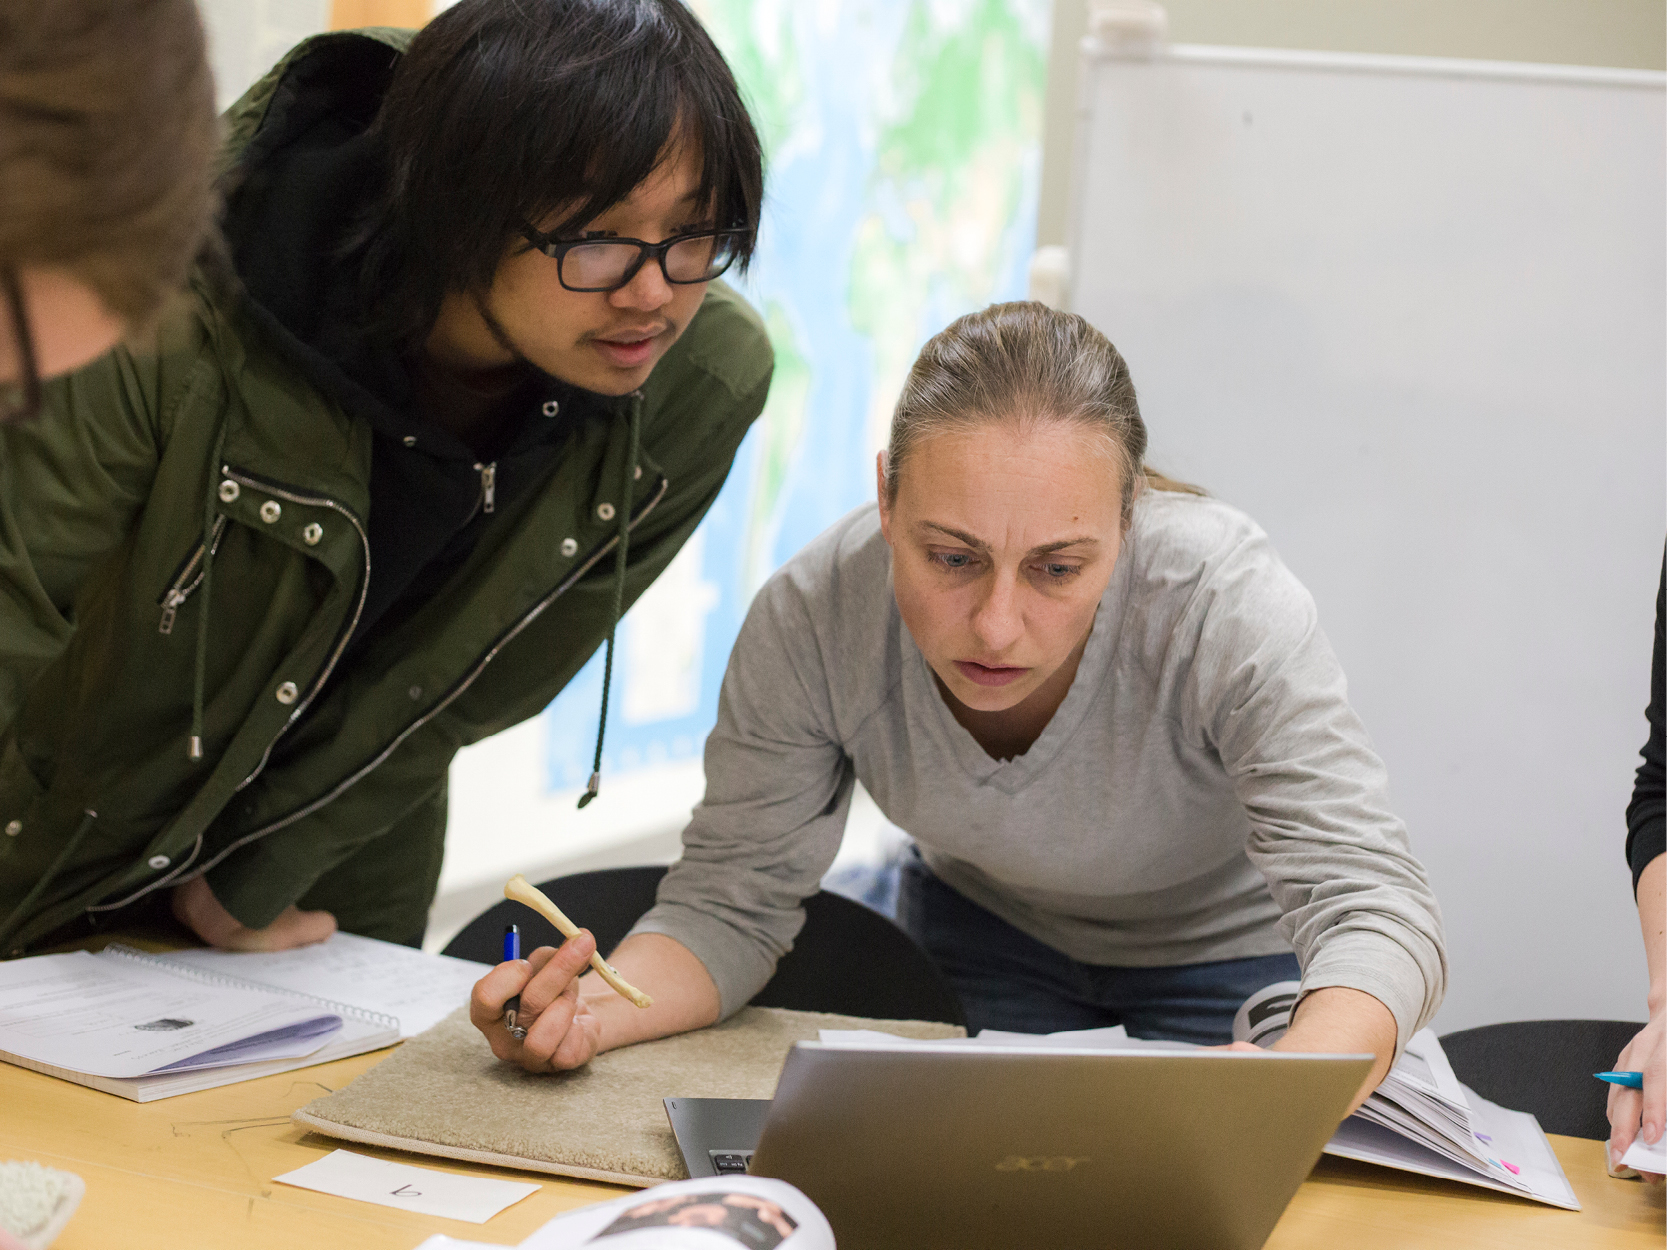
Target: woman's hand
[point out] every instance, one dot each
(1640, 1113)
(1337, 1020)
(196, 907)
(569, 1022)
(562, 1031)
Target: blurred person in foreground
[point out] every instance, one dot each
(107, 142)
(1643, 1113)
(382, 483)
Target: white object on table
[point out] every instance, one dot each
(1641, 1156)
(348, 1175)
(36, 1202)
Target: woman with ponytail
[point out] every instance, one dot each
(1096, 699)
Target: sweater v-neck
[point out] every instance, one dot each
(1012, 775)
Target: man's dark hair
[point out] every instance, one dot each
(503, 111)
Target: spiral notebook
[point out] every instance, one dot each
(144, 1027)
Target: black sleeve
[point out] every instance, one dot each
(1646, 815)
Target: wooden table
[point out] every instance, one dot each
(196, 1171)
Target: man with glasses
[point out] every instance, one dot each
(464, 386)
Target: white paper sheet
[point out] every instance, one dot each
(1643, 1157)
(417, 989)
(89, 1014)
(348, 1175)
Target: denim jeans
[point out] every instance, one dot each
(1008, 980)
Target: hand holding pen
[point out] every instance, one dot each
(530, 1010)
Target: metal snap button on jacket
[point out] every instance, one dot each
(605, 511)
(287, 692)
(159, 862)
(312, 534)
(569, 547)
(551, 407)
(229, 490)
(13, 828)
(271, 510)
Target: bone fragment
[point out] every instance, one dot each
(523, 891)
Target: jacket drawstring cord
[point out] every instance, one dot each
(18, 914)
(199, 673)
(628, 475)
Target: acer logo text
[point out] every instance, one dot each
(1039, 1163)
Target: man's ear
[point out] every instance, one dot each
(880, 495)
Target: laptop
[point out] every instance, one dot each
(963, 1148)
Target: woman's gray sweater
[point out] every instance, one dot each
(1204, 791)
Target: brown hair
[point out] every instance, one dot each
(1025, 363)
(107, 137)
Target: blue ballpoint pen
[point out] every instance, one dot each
(512, 950)
(1632, 1080)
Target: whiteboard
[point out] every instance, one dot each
(1410, 314)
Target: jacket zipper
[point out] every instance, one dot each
(468, 679)
(320, 501)
(190, 577)
(488, 485)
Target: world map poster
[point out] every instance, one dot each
(903, 149)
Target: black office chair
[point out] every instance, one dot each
(1544, 1067)
(847, 959)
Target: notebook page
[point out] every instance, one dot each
(91, 1015)
(417, 989)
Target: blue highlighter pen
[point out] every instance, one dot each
(1632, 1080)
(512, 1008)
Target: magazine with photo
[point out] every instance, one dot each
(728, 1213)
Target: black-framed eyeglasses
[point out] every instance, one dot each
(20, 396)
(608, 264)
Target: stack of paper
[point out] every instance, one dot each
(152, 1026)
(1422, 1101)
(1421, 1119)
(128, 1024)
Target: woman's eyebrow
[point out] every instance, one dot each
(1049, 548)
(978, 544)
(960, 536)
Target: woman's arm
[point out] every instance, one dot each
(1270, 698)
(1643, 1113)
(778, 787)
(1646, 836)
(1337, 1020)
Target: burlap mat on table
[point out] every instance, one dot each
(442, 1093)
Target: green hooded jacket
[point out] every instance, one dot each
(184, 541)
